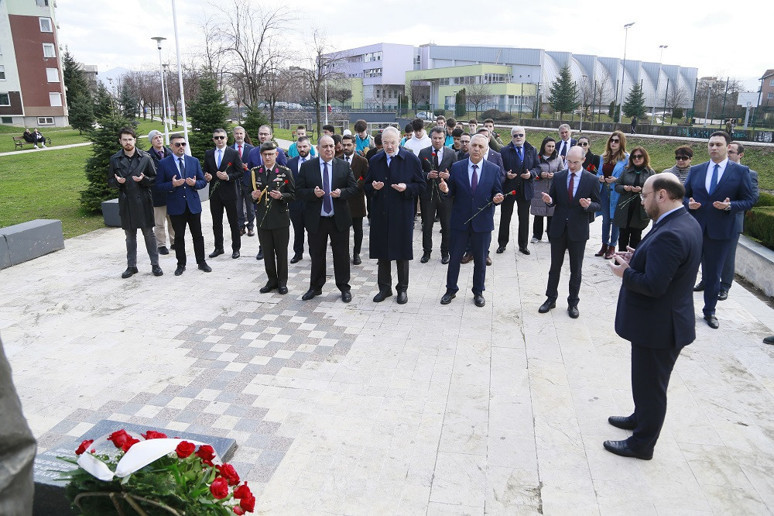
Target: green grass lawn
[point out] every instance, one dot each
(59, 136)
(46, 185)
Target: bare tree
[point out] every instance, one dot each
(419, 91)
(321, 70)
(213, 52)
(477, 94)
(274, 89)
(676, 98)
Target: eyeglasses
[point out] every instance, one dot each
(586, 144)
(219, 137)
(519, 135)
(179, 144)
(682, 158)
(614, 140)
(637, 156)
(643, 195)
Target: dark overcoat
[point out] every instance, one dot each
(135, 199)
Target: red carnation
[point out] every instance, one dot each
(184, 449)
(219, 488)
(229, 163)
(84, 446)
(248, 503)
(206, 453)
(228, 472)
(238, 510)
(512, 192)
(286, 181)
(242, 491)
(152, 434)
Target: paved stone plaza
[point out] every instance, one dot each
(368, 408)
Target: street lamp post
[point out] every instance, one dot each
(158, 40)
(623, 69)
(658, 79)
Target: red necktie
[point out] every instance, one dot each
(474, 179)
(572, 186)
(240, 151)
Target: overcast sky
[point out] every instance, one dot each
(719, 38)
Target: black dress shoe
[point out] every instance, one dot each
(163, 250)
(622, 422)
(250, 232)
(699, 286)
(157, 270)
(712, 321)
(425, 257)
(235, 255)
(381, 296)
(622, 448)
(402, 298)
(267, 288)
(216, 252)
(479, 300)
(524, 250)
(722, 295)
(311, 294)
(296, 258)
(501, 249)
(573, 311)
(548, 305)
(769, 340)
(346, 296)
(129, 272)
(242, 231)
(488, 260)
(445, 258)
(259, 256)
(172, 247)
(282, 290)
(180, 269)
(447, 298)
(204, 267)
(356, 260)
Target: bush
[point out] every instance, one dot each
(439, 111)
(765, 199)
(759, 224)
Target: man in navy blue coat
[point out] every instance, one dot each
(655, 309)
(474, 185)
(245, 206)
(714, 192)
(296, 207)
(180, 176)
(520, 161)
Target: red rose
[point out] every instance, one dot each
(512, 192)
(184, 449)
(120, 438)
(242, 491)
(238, 510)
(84, 446)
(228, 472)
(206, 453)
(286, 181)
(152, 434)
(248, 503)
(219, 488)
(229, 163)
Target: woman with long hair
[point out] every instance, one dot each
(549, 162)
(613, 162)
(630, 216)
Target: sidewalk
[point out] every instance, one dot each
(368, 408)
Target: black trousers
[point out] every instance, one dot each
(576, 249)
(194, 222)
(506, 207)
(651, 370)
(384, 276)
(537, 226)
(297, 219)
(628, 237)
(357, 234)
(434, 202)
(274, 243)
(216, 209)
(318, 246)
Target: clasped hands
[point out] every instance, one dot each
(400, 187)
(319, 192)
(585, 202)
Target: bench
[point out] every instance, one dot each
(29, 240)
(19, 142)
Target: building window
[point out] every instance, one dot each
(373, 72)
(52, 74)
(55, 98)
(2, 72)
(49, 50)
(770, 96)
(45, 25)
(45, 120)
(5, 99)
(41, 3)
(771, 82)
(6, 120)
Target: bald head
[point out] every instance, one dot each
(575, 157)
(662, 193)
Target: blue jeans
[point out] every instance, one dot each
(609, 230)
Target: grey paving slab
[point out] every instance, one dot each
(393, 409)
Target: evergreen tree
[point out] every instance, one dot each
(105, 144)
(79, 101)
(129, 102)
(254, 119)
(207, 112)
(635, 102)
(103, 102)
(81, 112)
(460, 103)
(563, 93)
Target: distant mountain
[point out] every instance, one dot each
(113, 73)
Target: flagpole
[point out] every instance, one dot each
(180, 78)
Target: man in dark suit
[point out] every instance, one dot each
(180, 176)
(566, 141)
(735, 154)
(324, 184)
(575, 196)
(223, 170)
(436, 161)
(296, 207)
(714, 192)
(655, 309)
(163, 223)
(393, 183)
(245, 207)
(357, 203)
(520, 161)
(474, 186)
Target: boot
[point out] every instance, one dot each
(610, 252)
(602, 250)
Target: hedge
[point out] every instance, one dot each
(759, 224)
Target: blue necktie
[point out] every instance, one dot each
(220, 157)
(714, 180)
(474, 179)
(327, 201)
(182, 167)
(521, 156)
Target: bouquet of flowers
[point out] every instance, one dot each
(151, 474)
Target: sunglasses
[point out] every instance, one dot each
(219, 137)
(586, 144)
(179, 144)
(518, 135)
(614, 140)
(637, 156)
(682, 158)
